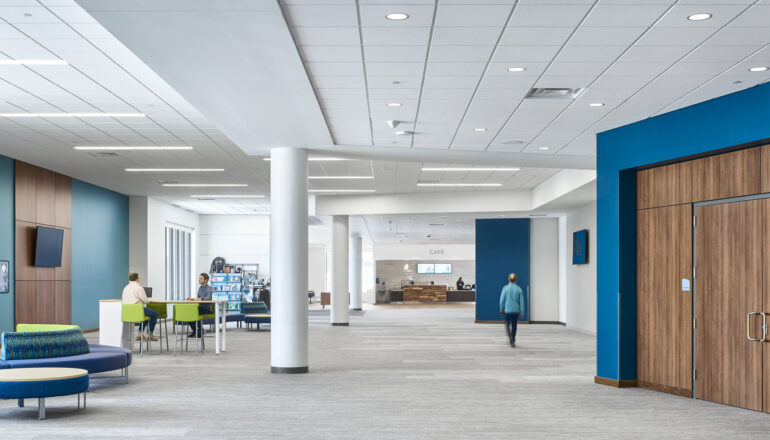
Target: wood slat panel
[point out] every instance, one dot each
(663, 186)
(65, 271)
(63, 310)
(726, 175)
(26, 192)
(729, 280)
(766, 297)
(63, 202)
(25, 251)
(664, 311)
(46, 196)
(25, 298)
(46, 302)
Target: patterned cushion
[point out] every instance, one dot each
(250, 308)
(40, 345)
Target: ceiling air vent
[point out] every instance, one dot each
(105, 154)
(553, 93)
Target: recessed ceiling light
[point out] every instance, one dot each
(394, 104)
(340, 177)
(596, 104)
(121, 147)
(71, 115)
(758, 69)
(543, 148)
(201, 185)
(699, 17)
(171, 170)
(516, 69)
(479, 129)
(341, 190)
(404, 133)
(226, 196)
(397, 16)
(459, 184)
(467, 169)
(33, 62)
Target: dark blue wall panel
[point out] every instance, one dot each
(99, 249)
(502, 247)
(6, 238)
(730, 120)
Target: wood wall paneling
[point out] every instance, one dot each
(726, 175)
(26, 192)
(46, 302)
(663, 186)
(664, 311)
(729, 280)
(64, 272)
(46, 197)
(63, 202)
(25, 297)
(766, 298)
(63, 303)
(25, 252)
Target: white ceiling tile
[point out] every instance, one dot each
(374, 15)
(529, 35)
(661, 36)
(27, 14)
(332, 69)
(755, 16)
(321, 15)
(520, 53)
(460, 53)
(577, 69)
(740, 36)
(708, 53)
(472, 15)
(720, 15)
(606, 36)
(539, 15)
(455, 69)
(394, 69)
(338, 82)
(450, 82)
(385, 36)
(315, 36)
(667, 54)
(395, 53)
(581, 54)
(465, 35)
(72, 14)
(624, 15)
(331, 53)
(47, 30)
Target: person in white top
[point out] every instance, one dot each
(134, 293)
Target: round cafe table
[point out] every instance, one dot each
(39, 383)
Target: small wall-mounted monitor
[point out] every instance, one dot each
(580, 247)
(426, 268)
(48, 247)
(443, 268)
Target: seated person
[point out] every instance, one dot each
(134, 293)
(204, 294)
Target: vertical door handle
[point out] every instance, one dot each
(748, 327)
(764, 327)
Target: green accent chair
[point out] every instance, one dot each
(183, 315)
(25, 328)
(134, 314)
(162, 311)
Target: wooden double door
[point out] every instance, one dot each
(732, 303)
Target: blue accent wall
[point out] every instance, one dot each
(723, 122)
(6, 238)
(502, 247)
(99, 250)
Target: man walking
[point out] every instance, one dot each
(511, 304)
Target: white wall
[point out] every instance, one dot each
(581, 279)
(425, 252)
(563, 269)
(159, 215)
(316, 275)
(239, 239)
(137, 233)
(544, 270)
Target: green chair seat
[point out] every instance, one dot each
(134, 314)
(186, 313)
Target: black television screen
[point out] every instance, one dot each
(48, 247)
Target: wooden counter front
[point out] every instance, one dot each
(425, 293)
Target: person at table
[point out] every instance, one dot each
(134, 293)
(460, 284)
(204, 294)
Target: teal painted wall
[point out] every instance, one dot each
(99, 250)
(6, 238)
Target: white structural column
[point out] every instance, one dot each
(340, 299)
(356, 267)
(288, 260)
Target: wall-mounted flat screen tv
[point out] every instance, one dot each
(580, 247)
(426, 268)
(48, 247)
(443, 268)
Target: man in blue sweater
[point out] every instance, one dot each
(511, 304)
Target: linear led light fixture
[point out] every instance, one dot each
(202, 185)
(467, 169)
(340, 177)
(128, 148)
(33, 62)
(460, 184)
(316, 159)
(341, 190)
(71, 115)
(171, 170)
(227, 196)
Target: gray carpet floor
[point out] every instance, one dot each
(394, 373)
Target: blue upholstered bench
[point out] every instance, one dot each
(255, 313)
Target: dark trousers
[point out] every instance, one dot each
(203, 309)
(153, 319)
(511, 322)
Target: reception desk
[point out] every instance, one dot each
(399, 295)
